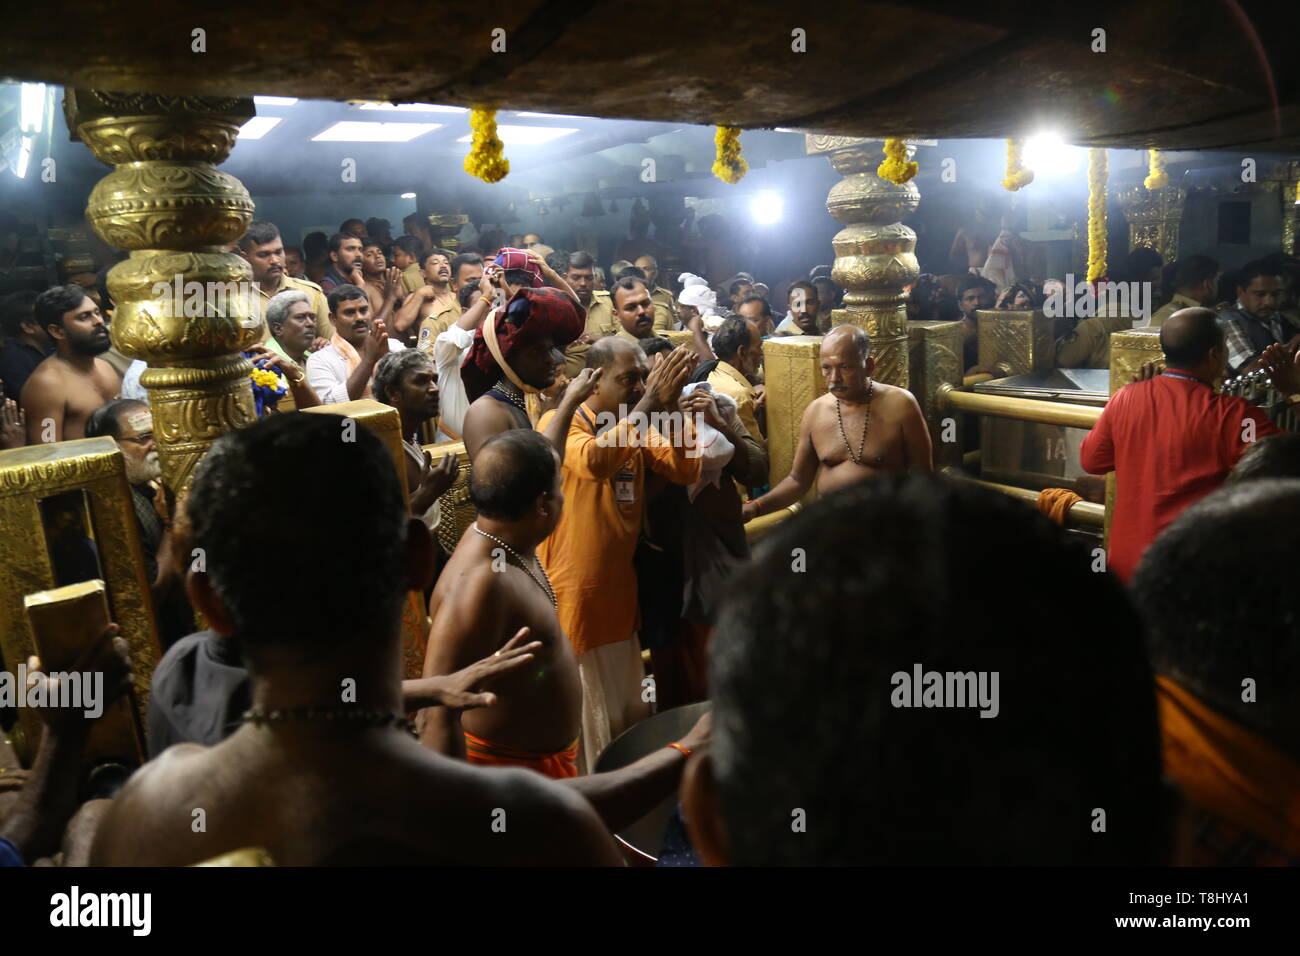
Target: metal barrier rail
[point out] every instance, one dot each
(1257, 388)
(764, 524)
(1083, 514)
(1020, 409)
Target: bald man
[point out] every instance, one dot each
(493, 589)
(1171, 439)
(859, 429)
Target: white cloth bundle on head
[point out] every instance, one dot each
(690, 278)
(715, 449)
(700, 297)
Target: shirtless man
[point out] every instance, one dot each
(383, 284)
(494, 587)
(313, 776)
(534, 325)
(73, 382)
(858, 429)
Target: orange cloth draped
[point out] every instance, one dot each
(589, 554)
(1228, 770)
(558, 766)
(1056, 503)
(352, 357)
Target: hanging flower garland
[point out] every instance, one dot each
(728, 164)
(1157, 178)
(485, 159)
(896, 168)
(1017, 176)
(1096, 214)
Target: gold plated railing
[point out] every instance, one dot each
(1020, 409)
(1083, 514)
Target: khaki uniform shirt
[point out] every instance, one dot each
(412, 278)
(1088, 346)
(1175, 304)
(728, 380)
(435, 323)
(319, 304)
(665, 310)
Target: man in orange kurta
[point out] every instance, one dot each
(614, 438)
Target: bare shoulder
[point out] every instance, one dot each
(485, 409)
(509, 816)
(469, 577)
(48, 372)
(894, 396)
(104, 370)
(820, 405)
(159, 791)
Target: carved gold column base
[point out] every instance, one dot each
(1016, 343)
(935, 359)
(793, 378)
(94, 466)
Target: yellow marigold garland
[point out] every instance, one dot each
(1096, 214)
(485, 159)
(1157, 178)
(896, 168)
(261, 376)
(1017, 176)
(729, 165)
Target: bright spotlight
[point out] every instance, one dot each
(32, 108)
(767, 207)
(1047, 154)
(408, 195)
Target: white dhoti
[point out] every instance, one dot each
(611, 696)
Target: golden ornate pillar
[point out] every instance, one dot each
(1289, 177)
(174, 211)
(1154, 217)
(936, 360)
(875, 254)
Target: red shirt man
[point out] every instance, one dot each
(1171, 440)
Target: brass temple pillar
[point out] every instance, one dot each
(1289, 177)
(174, 211)
(1154, 217)
(444, 227)
(875, 254)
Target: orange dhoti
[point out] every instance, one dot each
(558, 766)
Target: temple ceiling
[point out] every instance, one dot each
(1213, 74)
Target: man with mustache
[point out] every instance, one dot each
(665, 304)
(341, 371)
(434, 305)
(859, 429)
(1254, 322)
(129, 423)
(344, 263)
(263, 250)
(804, 306)
(74, 381)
